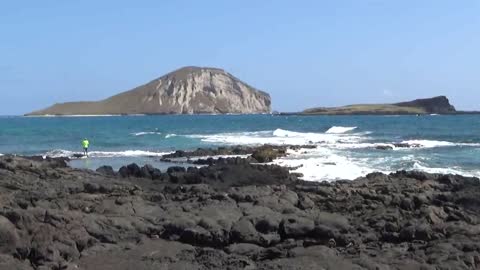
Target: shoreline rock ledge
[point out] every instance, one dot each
(232, 216)
(188, 90)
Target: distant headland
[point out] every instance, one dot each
(435, 105)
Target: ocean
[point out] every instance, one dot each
(347, 146)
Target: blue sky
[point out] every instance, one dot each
(304, 53)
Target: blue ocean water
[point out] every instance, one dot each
(346, 145)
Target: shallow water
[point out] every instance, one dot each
(346, 144)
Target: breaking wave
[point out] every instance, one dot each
(146, 133)
(326, 164)
(276, 137)
(419, 166)
(339, 130)
(433, 143)
(336, 137)
(338, 154)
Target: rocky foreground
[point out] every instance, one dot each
(232, 215)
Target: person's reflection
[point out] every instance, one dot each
(86, 163)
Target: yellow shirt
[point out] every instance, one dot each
(85, 143)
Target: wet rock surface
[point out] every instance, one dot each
(396, 145)
(205, 152)
(232, 215)
(255, 154)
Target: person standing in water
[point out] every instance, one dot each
(85, 144)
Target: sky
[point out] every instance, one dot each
(304, 53)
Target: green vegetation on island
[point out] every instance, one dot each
(436, 105)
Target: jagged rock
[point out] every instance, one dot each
(233, 216)
(243, 231)
(406, 145)
(225, 161)
(268, 153)
(8, 236)
(176, 169)
(106, 170)
(123, 171)
(131, 170)
(207, 152)
(295, 227)
(8, 262)
(384, 147)
(251, 251)
(134, 170)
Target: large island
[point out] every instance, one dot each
(189, 90)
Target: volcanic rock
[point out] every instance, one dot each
(232, 216)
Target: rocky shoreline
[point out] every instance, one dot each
(232, 214)
(255, 154)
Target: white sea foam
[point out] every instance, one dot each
(277, 137)
(450, 170)
(323, 164)
(128, 153)
(360, 145)
(339, 129)
(218, 156)
(433, 143)
(107, 154)
(410, 144)
(339, 138)
(146, 133)
(335, 156)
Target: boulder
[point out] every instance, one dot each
(131, 170)
(176, 169)
(134, 170)
(268, 154)
(249, 250)
(106, 170)
(384, 147)
(243, 231)
(8, 236)
(295, 227)
(147, 171)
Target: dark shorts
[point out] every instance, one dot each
(85, 149)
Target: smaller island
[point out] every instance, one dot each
(435, 105)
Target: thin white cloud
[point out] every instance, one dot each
(387, 92)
